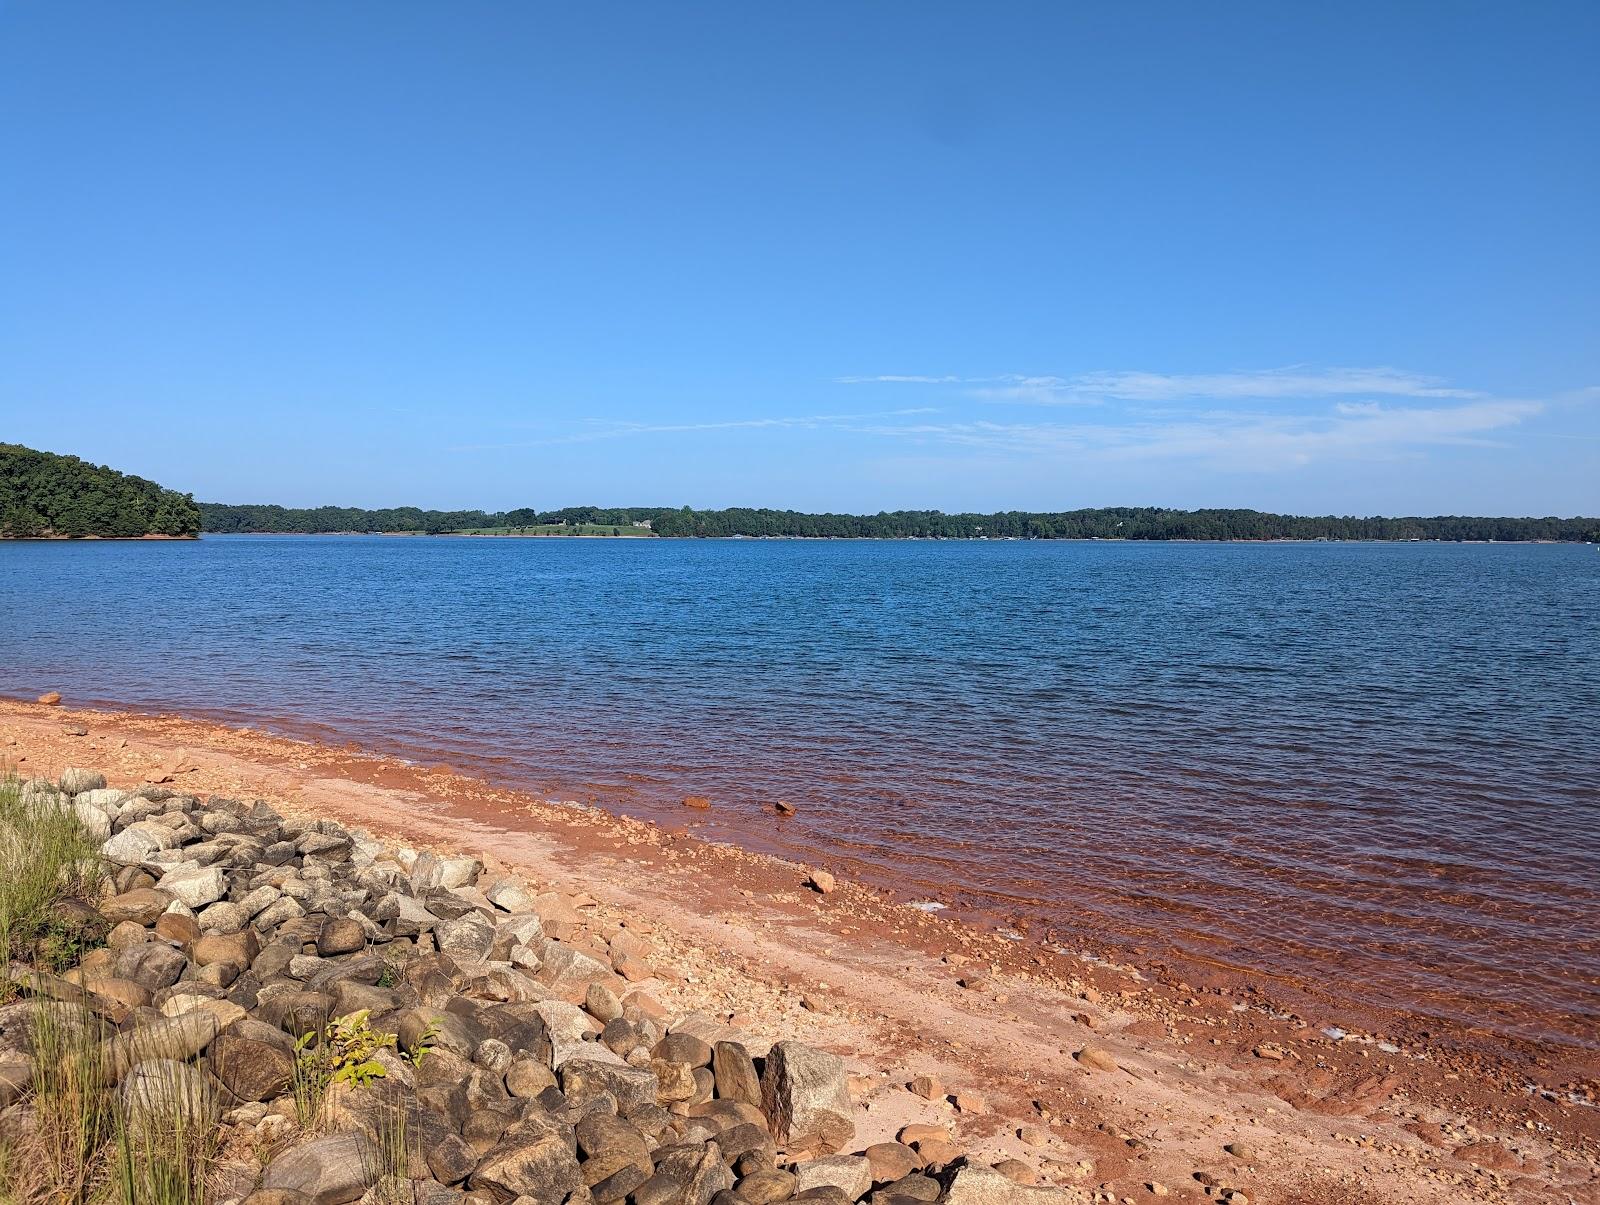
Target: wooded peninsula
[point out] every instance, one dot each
(44, 496)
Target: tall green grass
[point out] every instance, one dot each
(88, 1144)
(83, 1145)
(61, 1158)
(45, 858)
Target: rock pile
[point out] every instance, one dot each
(465, 1011)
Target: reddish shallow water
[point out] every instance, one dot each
(1370, 762)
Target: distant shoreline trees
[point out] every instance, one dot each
(1102, 523)
(43, 495)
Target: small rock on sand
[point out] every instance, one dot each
(971, 1102)
(698, 802)
(783, 809)
(821, 881)
(1096, 1059)
(927, 1086)
(51, 698)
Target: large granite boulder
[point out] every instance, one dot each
(806, 1097)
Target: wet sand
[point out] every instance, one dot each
(1207, 1056)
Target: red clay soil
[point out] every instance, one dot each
(1203, 1082)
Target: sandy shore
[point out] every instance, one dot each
(1201, 1065)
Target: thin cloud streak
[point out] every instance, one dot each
(622, 430)
(1292, 383)
(1248, 441)
(1340, 415)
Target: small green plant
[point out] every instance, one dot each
(352, 1042)
(310, 1077)
(423, 1046)
(394, 969)
(341, 1053)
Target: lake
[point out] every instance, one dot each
(1375, 761)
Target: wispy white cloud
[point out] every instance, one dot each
(1292, 383)
(1249, 441)
(621, 430)
(1260, 421)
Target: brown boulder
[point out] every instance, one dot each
(177, 928)
(927, 1086)
(735, 1073)
(891, 1161)
(531, 1160)
(683, 1048)
(239, 949)
(340, 935)
(251, 1069)
(127, 933)
(142, 905)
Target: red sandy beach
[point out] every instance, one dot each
(1205, 1058)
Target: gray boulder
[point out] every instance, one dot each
(699, 1168)
(850, 1173)
(194, 886)
(326, 1171)
(974, 1185)
(164, 1095)
(586, 1079)
(466, 940)
(76, 781)
(177, 1038)
(137, 843)
(806, 1097)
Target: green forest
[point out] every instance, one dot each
(43, 494)
(1102, 523)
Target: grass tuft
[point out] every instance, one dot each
(46, 860)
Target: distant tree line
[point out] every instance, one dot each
(1102, 523)
(43, 494)
(224, 519)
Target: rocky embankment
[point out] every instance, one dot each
(363, 1021)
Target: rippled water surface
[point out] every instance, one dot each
(1379, 759)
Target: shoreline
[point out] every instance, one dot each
(863, 539)
(1497, 1035)
(760, 942)
(98, 539)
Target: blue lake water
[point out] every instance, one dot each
(1380, 759)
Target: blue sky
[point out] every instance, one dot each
(831, 256)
